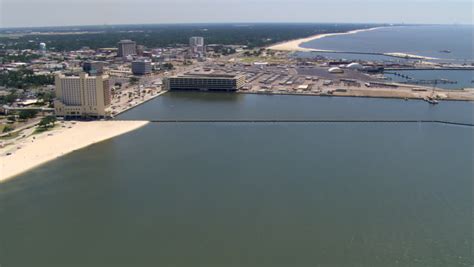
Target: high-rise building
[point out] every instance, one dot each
(93, 67)
(140, 50)
(141, 67)
(126, 48)
(82, 96)
(196, 47)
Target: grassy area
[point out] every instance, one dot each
(40, 130)
(10, 136)
(261, 59)
(3, 127)
(251, 59)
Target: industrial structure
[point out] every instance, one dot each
(205, 82)
(82, 96)
(42, 47)
(126, 48)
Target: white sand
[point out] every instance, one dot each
(58, 142)
(410, 56)
(295, 45)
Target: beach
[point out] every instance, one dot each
(66, 137)
(295, 45)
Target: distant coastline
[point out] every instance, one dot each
(296, 45)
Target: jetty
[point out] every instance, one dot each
(312, 121)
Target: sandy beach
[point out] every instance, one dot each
(295, 45)
(36, 149)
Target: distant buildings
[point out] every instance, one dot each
(141, 67)
(205, 82)
(196, 47)
(93, 67)
(126, 48)
(82, 96)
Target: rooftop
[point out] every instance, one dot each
(207, 75)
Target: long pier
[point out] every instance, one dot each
(315, 121)
(427, 68)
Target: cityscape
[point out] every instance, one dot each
(337, 138)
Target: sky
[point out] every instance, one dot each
(28, 13)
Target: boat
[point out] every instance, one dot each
(445, 51)
(431, 101)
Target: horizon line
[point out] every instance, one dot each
(233, 23)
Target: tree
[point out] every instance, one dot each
(11, 118)
(24, 78)
(168, 66)
(8, 128)
(47, 96)
(27, 114)
(47, 122)
(134, 80)
(11, 98)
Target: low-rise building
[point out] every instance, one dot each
(93, 67)
(205, 82)
(141, 67)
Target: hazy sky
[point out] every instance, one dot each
(17, 13)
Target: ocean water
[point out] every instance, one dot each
(222, 106)
(407, 39)
(253, 194)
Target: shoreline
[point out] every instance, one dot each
(295, 45)
(37, 149)
(384, 94)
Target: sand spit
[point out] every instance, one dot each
(37, 149)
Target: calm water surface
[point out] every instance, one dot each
(458, 39)
(221, 106)
(252, 194)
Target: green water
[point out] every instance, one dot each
(249, 194)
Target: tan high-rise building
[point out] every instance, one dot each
(196, 47)
(127, 48)
(84, 96)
